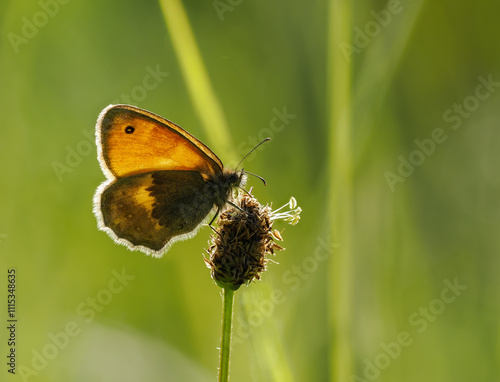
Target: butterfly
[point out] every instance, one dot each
(162, 183)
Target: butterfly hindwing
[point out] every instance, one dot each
(154, 209)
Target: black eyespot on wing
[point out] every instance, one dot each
(129, 129)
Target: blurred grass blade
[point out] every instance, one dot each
(340, 169)
(195, 74)
(380, 63)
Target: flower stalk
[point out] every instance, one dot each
(225, 346)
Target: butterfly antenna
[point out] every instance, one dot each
(265, 140)
(257, 176)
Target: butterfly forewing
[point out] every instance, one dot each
(133, 142)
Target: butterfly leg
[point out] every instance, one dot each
(215, 216)
(218, 210)
(235, 206)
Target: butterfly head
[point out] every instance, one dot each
(235, 178)
(227, 181)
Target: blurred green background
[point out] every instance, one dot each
(362, 291)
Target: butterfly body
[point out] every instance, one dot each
(162, 182)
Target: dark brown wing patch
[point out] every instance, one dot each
(151, 209)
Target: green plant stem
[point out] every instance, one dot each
(225, 343)
(340, 195)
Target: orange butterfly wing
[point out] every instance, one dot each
(134, 141)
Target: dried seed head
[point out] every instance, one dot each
(244, 238)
